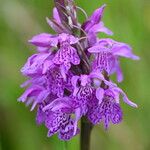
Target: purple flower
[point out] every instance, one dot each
(46, 79)
(107, 108)
(84, 89)
(60, 123)
(107, 53)
(34, 94)
(85, 93)
(66, 54)
(57, 83)
(94, 25)
(37, 64)
(58, 118)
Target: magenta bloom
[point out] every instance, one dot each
(107, 108)
(66, 54)
(69, 75)
(107, 53)
(95, 25)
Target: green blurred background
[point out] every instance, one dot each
(19, 21)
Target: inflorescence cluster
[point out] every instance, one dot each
(69, 76)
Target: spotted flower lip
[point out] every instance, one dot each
(107, 108)
(60, 123)
(69, 75)
(66, 54)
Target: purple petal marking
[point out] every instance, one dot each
(66, 131)
(98, 49)
(53, 122)
(74, 56)
(108, 110)
(65, 56)
(116, 116)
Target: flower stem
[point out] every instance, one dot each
(86, 128)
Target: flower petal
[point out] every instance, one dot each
(125, 98)
(119, 72)
(73, 39)
(94, 19)
(100, 28)
(100, 94)
(74, 58)
(66, 131)
(98, 75)
(41, 97)
(40, 116)
(74, 81)
(58, 104)
(56, 15)
(44, 40)
(25, 83)
(31, 91)
(124, 50)
(97, 14)
(77, 118)
(84, 79)
(47, 65)
(97, 49)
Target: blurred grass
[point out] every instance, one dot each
(19, 21)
